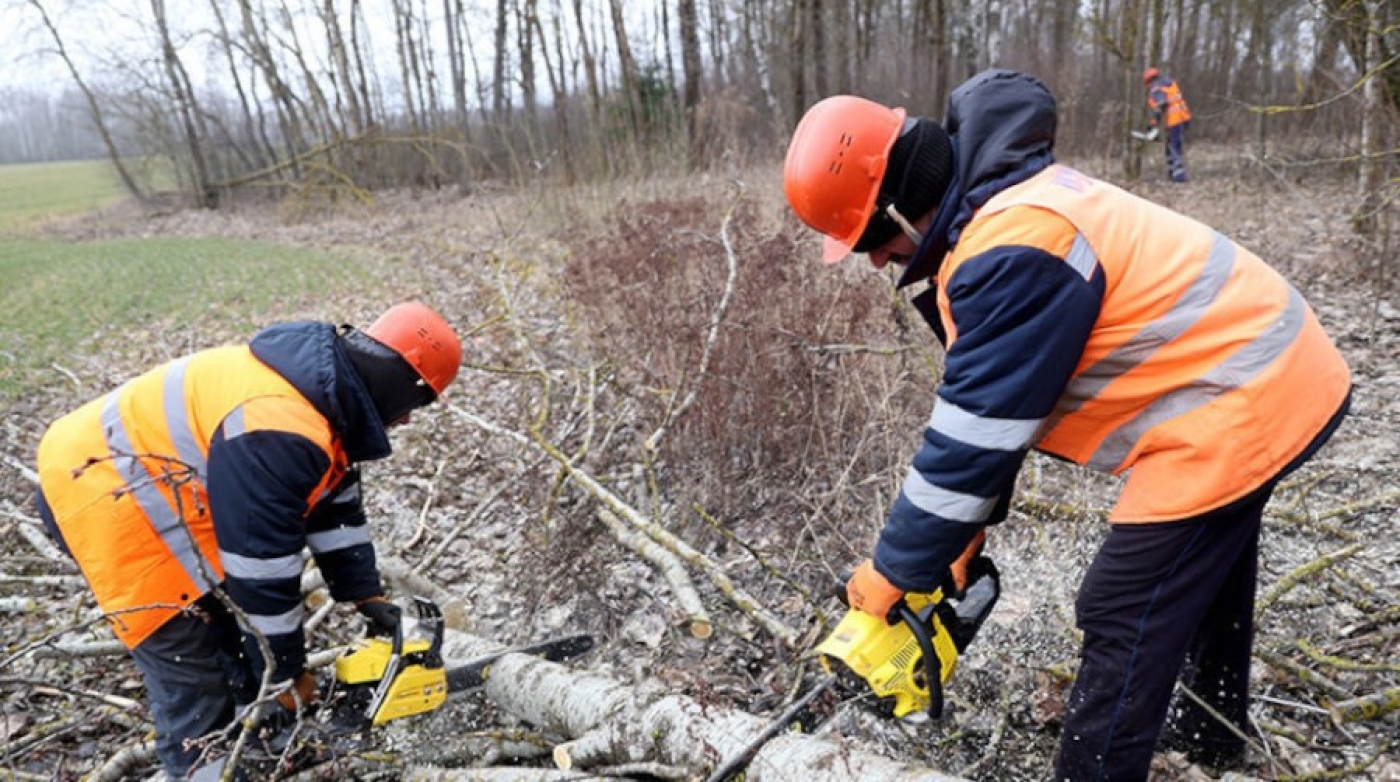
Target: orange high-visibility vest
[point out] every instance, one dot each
(1175, 110)
(122, 472)
(1205, 374)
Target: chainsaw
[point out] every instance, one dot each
(906, 663)
(379, 680)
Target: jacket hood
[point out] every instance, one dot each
(1003, 128)
(311, 357)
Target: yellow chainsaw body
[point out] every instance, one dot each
(888, 656)
(415, 689)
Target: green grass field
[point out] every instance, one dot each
(65, 305)
(33, 191)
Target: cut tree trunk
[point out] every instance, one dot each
(613, 723)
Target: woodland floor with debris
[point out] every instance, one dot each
(674, 430)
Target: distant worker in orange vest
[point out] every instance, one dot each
(217, 470)
(1087, 323)
(1167, 108)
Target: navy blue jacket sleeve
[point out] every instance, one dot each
(1022, 318)
(339, 539)
(259, 485)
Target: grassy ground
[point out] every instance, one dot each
(34, 191)
(66, 303)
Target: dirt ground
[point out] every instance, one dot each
(590, 310)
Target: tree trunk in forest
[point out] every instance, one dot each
(455, 28)
(342, 77)
(611, 723)
(263, 154)
(797, 71)
(525, 44)
(590, 62)
(559, 93)
(627, 66)
(99, 123)
(186, 109)
(284, 100)
(499, 101)
(691, 72)
(820, 66)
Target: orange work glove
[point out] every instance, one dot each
(304, 690)
(958, 570)
(871, 592)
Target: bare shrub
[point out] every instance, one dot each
(795, 398)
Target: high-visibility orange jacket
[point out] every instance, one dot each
(1166, 102)
(220, 467)
(1088, 323)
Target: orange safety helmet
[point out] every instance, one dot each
(834, 165)
(423, 338)
(1149, 74)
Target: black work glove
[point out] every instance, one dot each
(383, 617)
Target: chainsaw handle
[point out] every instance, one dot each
(933, 667)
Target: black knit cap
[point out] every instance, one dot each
(918, 173)
(393, 384)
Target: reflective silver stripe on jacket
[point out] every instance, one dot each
(946, 503)
(177, 419)
(1081, 257)
(277, 624)
(338, 538)
(260, 568)
(143, 488)
(1187, 311)
(1241, 367)
(991, 434)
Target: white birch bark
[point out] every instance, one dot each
(615, 723)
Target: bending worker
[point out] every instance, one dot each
(1167, 109)
(217, 470)
(1092, 325)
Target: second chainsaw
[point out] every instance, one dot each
(906, 662)
(381, 679)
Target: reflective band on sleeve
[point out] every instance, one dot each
(945, 503)
(338, 538)
(277, 624)
(1189, 309)
(995, 434)
(1241, 367)
(259, 569)
(177, 417)
(1081, 257)
(147, 494)
(234, 425)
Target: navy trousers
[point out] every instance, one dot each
(1176, 152)
(191, 669)
(1162, 601)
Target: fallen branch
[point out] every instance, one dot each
(613, 724)
(629, 514)
(127, 762)
(670, 568)
(1301, 574)
(1368, 707)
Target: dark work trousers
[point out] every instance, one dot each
(1161, 600)
(187, 687)
(1176, 152)
(190, 683)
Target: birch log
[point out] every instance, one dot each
(614, 723)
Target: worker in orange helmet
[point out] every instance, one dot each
(1168, 110)
(1089, 324)
(212, 473)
